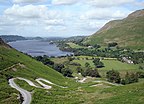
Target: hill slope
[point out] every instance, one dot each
(16, 64)
(128, 32)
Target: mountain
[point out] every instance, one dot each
(75, 38)
(2, 43)
(11, 38)
(34, 38)
(128, 32)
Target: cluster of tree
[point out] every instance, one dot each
(130, 78)
(98, 63)
(140, 74)
(67, 72)
(90, 72)
(58, 67)
(137, 57)
(141, 67)
(114, 77)
(45, 60)
(113, 44)
(96, 46)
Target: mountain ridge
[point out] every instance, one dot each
(128, 32)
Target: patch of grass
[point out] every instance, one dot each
(73, 45)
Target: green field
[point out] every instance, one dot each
(73, 45)
(110, 64)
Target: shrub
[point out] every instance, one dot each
(91, 72)
(140, 74)
(98, 63)
(67, 72)
(130, 78)
(113, 76)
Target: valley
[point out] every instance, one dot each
(102, 68)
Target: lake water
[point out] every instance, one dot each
(38, 48)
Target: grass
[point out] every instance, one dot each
(117, 65)
(59, 60)
(82, 62)
(28, 68)
(110, 64)
(73, 45)
(8, 95)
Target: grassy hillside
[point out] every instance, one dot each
(128, 32)
(16, 64)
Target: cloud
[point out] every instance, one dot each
(64, 2)
(55, 28)
(108, 3)
(104, 14)
(54, 22)
(28, 1)
(28, 11)
(31, 15)
(4, 2)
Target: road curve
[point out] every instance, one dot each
(47, 81)
(25, 94)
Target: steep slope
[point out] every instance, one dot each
(16, 64)
(2, 43)
(128, 32)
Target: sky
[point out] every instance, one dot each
(61, 18)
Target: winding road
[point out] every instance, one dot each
(26, 94)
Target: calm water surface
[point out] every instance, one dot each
(38, 48)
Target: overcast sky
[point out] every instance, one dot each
(61, 17)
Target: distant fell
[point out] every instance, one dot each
(11, 38)
(2, 43)
(128, 32)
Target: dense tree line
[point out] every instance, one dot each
(114, 77)
(58, 67)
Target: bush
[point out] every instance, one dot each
(113, 76)
(98, 63)
(130, 78)
(140, 74)
(67, 72)
(87, 65)
(58, 67)
(112, 44)
(79, 70)
(91, 73)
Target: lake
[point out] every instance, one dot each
(38, 48)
